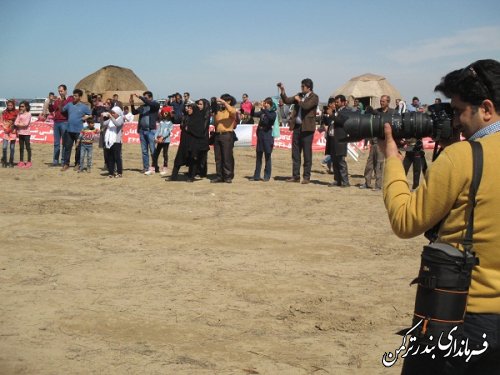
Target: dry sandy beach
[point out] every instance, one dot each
(142, 276)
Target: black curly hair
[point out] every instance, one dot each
(474, 83)
(228, 98)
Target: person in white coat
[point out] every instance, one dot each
(113, 141)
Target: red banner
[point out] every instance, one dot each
(285, 139)
(43, 132)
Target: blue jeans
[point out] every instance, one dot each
(59, 130)
(86, 149)
(70, 138)
(147, 138)
(5, 145)
(258, 166)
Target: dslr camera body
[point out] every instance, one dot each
(216, 107)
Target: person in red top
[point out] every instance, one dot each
(246, 106)
(60, 122)
(9, 133)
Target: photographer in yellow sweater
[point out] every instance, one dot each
(444, 197)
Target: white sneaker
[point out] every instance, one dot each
(150, 172)
(164, 171)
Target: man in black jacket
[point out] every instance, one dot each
(336, 148)
(148, 116)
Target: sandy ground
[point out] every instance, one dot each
(142, 276)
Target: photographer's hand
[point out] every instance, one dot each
(388, 145)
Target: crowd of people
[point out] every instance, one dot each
(76, 124)
(457, 207)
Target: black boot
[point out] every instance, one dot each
(192, 171)
(175, 174)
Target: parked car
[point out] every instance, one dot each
(3, 104)
(37, 106)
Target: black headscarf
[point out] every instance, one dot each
(207, 113)
(196, 122)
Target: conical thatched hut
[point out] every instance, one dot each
(368, 88)
(111, 80)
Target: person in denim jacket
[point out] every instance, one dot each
(162, 140)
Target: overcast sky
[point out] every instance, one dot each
(213, 47)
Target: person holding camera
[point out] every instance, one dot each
(225, 123)
(303, 125)
(146, 126)
(334, 145)
(444, 200)
(265, 140)
(113, 141)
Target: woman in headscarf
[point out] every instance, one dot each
(113, 141)
(204, 107)
(265, 139)
(181, 156)
(197, 141)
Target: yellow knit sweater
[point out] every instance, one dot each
(444, 194)
(225, 120)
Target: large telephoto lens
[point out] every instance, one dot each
(409, 125)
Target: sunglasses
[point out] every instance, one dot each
(469, 70)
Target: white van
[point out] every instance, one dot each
(36, 106)
(3, 104)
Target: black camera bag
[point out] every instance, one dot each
(443, 287)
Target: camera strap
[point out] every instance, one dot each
(477, 172)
